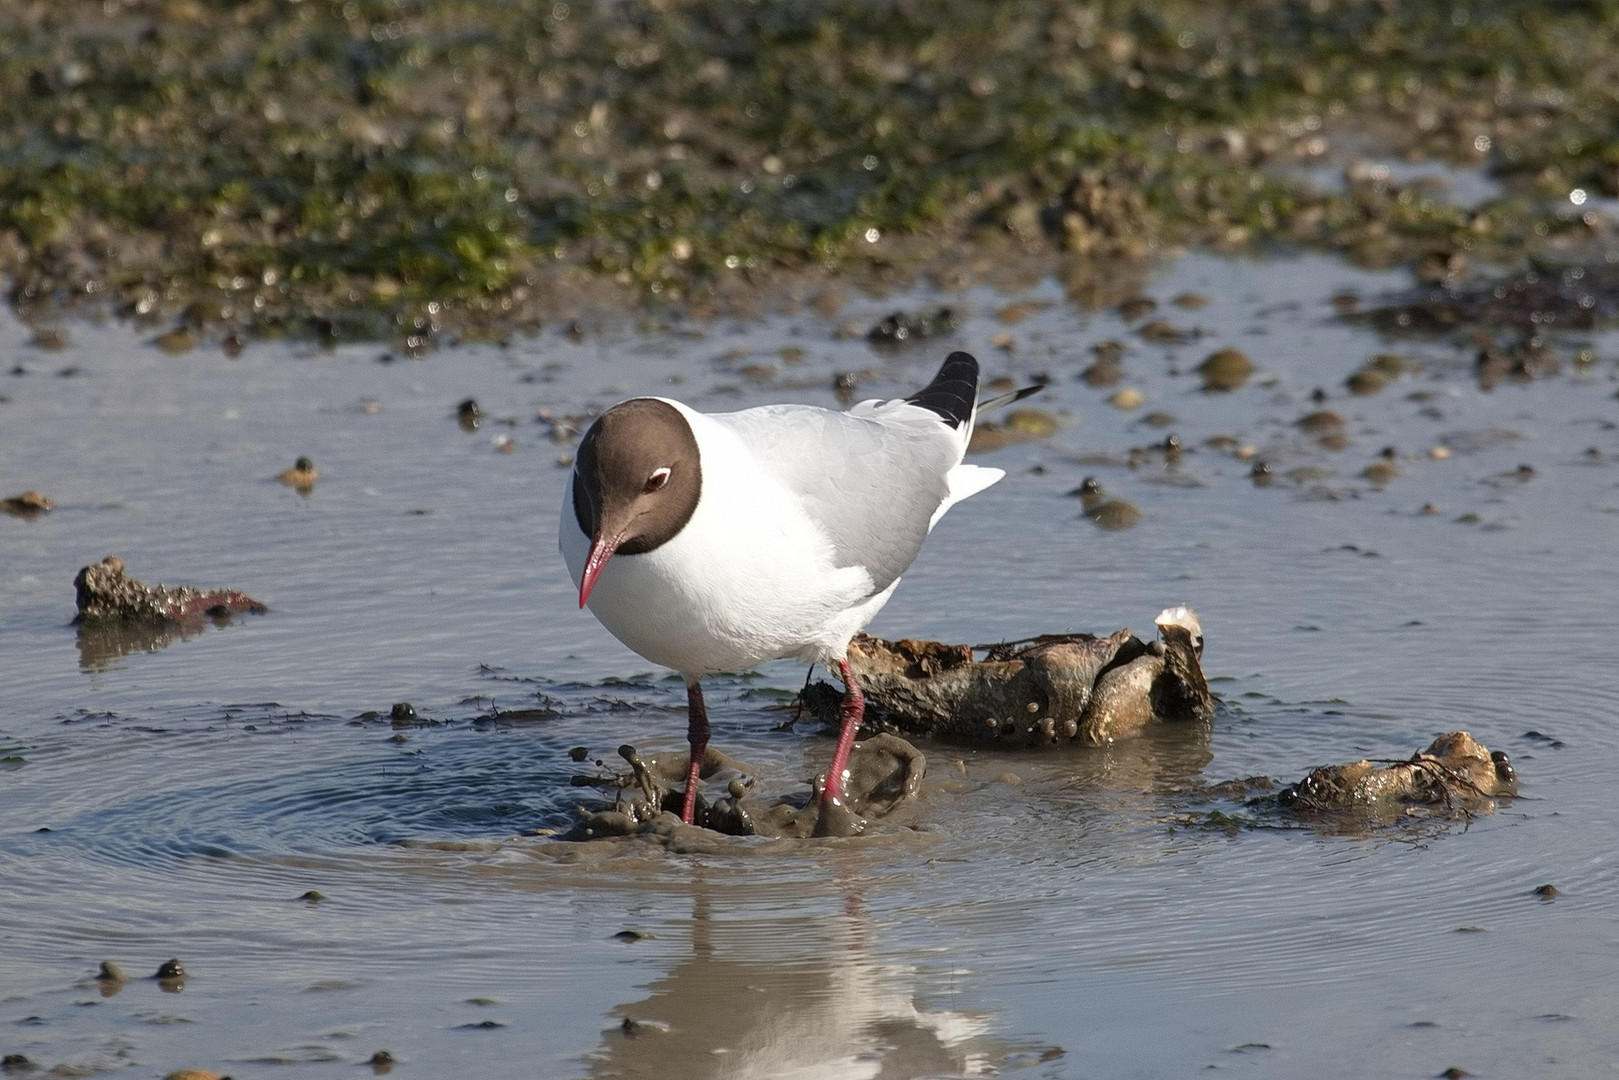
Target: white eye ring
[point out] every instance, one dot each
(659, 477)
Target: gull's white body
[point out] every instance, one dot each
(805, 520)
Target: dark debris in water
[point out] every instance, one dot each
(1569, 298)
(904, 328)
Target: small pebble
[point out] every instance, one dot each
(1366, 383)
(1547, 892)
(1321, 422)
(1137, 308)
(1439, 453)
(177, 342)
(27, 505)
(50, 339)
(301, 476)
(1225, 370)
(1031, 423)
(634, 1028)
(1162, 332)
(1105, 372)
(1127, 398)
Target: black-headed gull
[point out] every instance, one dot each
(713, 542)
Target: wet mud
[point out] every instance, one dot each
(885, 772)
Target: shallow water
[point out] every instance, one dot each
(1059, 914)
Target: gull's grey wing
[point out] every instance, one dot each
(872, 482)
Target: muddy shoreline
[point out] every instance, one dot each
(459, 171)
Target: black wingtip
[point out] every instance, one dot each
(953, 390)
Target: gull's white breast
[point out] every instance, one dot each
(751, 577)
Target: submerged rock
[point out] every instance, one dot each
(1455, 772)
(1049, 690)
(105, 592)
(119, 615)
(1114, 515)
(28, 505)
(301, 476)
(1225, 370)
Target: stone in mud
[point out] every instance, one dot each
(105, 592)
(171, 976)
(1225, 370)
(1455, 772)
(1137, 307)
(1045, 691)
(1019, 426)
(1114, 515)
(1366, 382)
(1126, 398)
(301, 476)
(1162, 332)
(1106, 372)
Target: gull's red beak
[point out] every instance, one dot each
(601, 549)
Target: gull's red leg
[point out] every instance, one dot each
(853, 709)
(697, 735)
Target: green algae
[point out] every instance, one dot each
(402, 167)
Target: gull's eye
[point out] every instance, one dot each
(659, 477)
